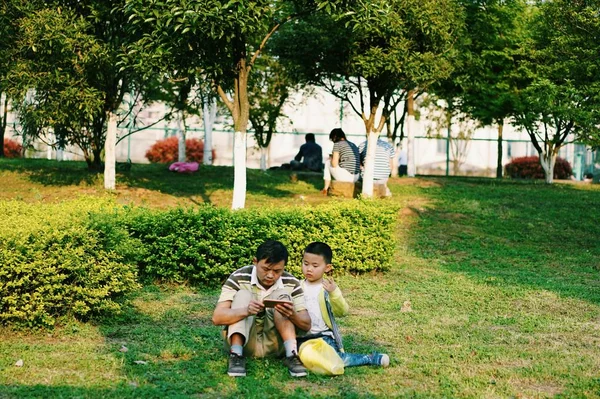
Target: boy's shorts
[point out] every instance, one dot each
(261, 336)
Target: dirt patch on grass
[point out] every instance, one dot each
(534, 389)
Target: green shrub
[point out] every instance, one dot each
(204, 245)
(78, 258)
(530, 168)
(61, 261)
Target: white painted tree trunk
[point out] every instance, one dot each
(181, 138)
(264, 153)
(109, 152)
(209, 116)
(395, 162)
(49, 147)
(547, 160)
(411, 167)
(367, 186)
(239, 167)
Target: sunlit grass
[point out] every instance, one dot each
(494, 293)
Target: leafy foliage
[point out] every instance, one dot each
(558, 77)
(66, 70)
(166, 151)
(203, 246)
(60, 261)
(530, 168)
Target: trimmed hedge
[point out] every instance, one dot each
(167, 151)
(80, 258)
(204, 245)
(56, 262)
(12, 149)
(530, 168)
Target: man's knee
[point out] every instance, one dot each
(241, 299)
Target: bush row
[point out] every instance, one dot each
(530, 168)
(54, 263)
(167, 151)
(12, 149)
(80, 259)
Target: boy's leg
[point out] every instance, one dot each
(359, 359)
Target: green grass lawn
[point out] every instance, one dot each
(494, 292)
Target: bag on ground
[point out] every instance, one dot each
(320, 358)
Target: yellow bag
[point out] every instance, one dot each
(320, 358)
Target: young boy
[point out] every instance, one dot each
(324, 300)
(251, 329)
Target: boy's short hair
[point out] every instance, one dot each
(321, 249)
(309, 137)
(272, 252)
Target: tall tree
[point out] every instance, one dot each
(370, 51)
(482, 84)
(226, 38)
(68, 61)
(269, 90)
(10, 12)
(559, 78)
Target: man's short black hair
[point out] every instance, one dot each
(321, 249)
(337, 134)
(272, 252)
(310, 137)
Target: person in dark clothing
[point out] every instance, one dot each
(310, 154)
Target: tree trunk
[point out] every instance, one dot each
(109, 152)
(499, 166)
(209, 115)
(239, 167)
(3, 116)
(181, 137)
(547, 160)
(241, 116)
(410, 127)
(263, 158)
(368, 174)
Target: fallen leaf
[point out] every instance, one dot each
(123, 349)
(19, 363)
(140, 362)
(409, 338)
(406, 307)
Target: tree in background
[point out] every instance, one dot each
(226, 38)
(269, 91)
(559, 78)
(370, 51)
(481, 84)
(67, 63)
(10, 12)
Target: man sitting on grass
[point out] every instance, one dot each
(251, 329)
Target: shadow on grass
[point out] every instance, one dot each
(507, 233)
(52, 173)
(174, 351)
(157, 177)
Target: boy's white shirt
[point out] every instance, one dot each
(311, 298)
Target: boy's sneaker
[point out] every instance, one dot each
(237, 365)
(381, 359)
(295, 366)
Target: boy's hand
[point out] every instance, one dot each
(286, 309)
(255, 307)
(329, 284)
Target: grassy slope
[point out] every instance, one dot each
(501, 280)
